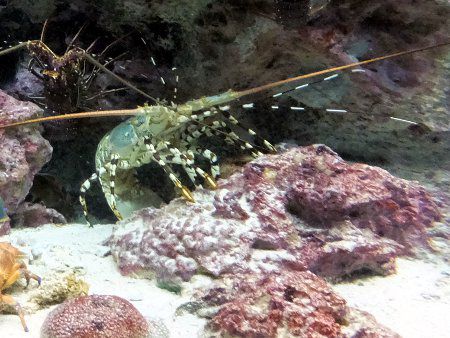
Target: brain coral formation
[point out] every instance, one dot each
(95, 316)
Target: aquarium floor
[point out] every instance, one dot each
(413, 302)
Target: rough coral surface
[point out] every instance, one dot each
(299, 303)
(302, 209)
(95, 316)
(291, 304)
(23, 151)
(35, 214)
(5, 227)
(327, 191)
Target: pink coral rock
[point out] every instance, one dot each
(302, 209)
(23, 151)
(328, 190)
(95, 316)
(300, 303)
(35, 214)
(291, 304)
(5, 227)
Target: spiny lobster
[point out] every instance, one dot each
(168, 134)
(65, 78)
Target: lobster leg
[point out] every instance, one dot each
(107, 184)
(185, 192)
(259, 141)
(187, 161)
(177, 157)
(221, 129)
(84, 188)
(213, 161)
(112, 176)
(214, 167)
(33, 71)
(206, 153)
(157, 154)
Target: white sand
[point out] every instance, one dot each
(415, 302)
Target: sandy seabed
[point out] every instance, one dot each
(415, 302)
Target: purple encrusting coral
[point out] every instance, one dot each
(23, 152)
(300, 302)
(95, 316)
(290, 304)
(302, 209)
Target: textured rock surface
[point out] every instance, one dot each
(34, 215)
(298, 303)
(5, 227)
(327, 191)
(302, 209)
(95, 316)
(23, 151)
(292, 304)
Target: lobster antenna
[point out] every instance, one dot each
(334, 69)
(102, 113)
(23, 44)
(16, 47)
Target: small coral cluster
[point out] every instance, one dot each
(60, 287)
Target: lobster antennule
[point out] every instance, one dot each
(334, 69)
